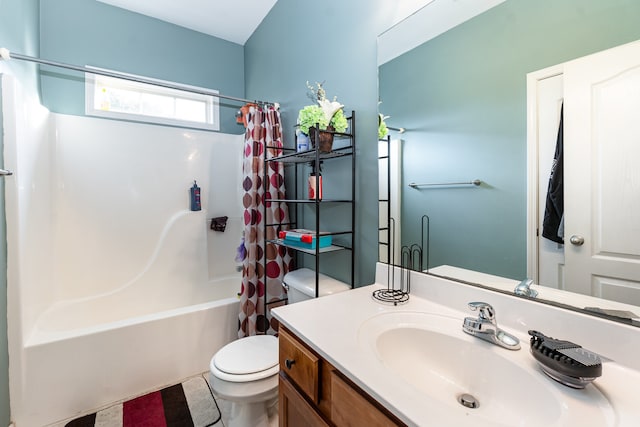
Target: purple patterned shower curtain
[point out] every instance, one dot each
(264, 131)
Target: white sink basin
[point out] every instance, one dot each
(431, 354)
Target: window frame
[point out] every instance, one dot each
(212, 102)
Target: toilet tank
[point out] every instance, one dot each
(301, 285)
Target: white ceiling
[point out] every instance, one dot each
(232, 20)
(412, 21)
(424, 20)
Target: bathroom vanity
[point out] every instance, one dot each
(347, 359)
(313, 392)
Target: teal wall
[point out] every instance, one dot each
(462, 97)
(332, 41)
(19, 33)
(84, 32)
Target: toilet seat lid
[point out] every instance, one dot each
(248, 355)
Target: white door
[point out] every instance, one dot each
(602, 174)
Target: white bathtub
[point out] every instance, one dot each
(69, 320)
(71, 372)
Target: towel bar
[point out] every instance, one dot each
(475, 182)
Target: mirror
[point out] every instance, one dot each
(462, 98)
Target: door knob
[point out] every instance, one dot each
(577, 240)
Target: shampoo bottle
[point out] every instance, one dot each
(195, 197)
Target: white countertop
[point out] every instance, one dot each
(331, 326)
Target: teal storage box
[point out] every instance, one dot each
(306, 239)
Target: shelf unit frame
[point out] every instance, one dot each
(313, 156)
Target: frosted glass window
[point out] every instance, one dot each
(189, 108)
(128, 100)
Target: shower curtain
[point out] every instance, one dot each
(263, 266)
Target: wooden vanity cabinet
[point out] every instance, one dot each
(313, 393)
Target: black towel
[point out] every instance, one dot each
(554, 208)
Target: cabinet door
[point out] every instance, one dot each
(300, 364)
(349, 408)
(294, 411)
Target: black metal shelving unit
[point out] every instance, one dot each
(297, 204)
(386, 202)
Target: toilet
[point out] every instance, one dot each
(245, 372)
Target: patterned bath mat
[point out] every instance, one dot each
(189, 404)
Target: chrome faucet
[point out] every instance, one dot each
(486, 328)
(524, 289)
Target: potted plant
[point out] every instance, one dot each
(328, 115)
(383, 131)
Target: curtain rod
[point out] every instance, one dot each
(6, 55)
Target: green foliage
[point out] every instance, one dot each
(312, 114)
(339, 121)
(382, 127)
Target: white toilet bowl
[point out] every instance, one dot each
(245, 373)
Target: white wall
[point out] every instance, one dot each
(99, 205)
(28, 205)
(122, 195)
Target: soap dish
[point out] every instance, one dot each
(564, 361)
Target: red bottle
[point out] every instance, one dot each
(315, 185)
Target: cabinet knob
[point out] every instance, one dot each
(289, 363)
